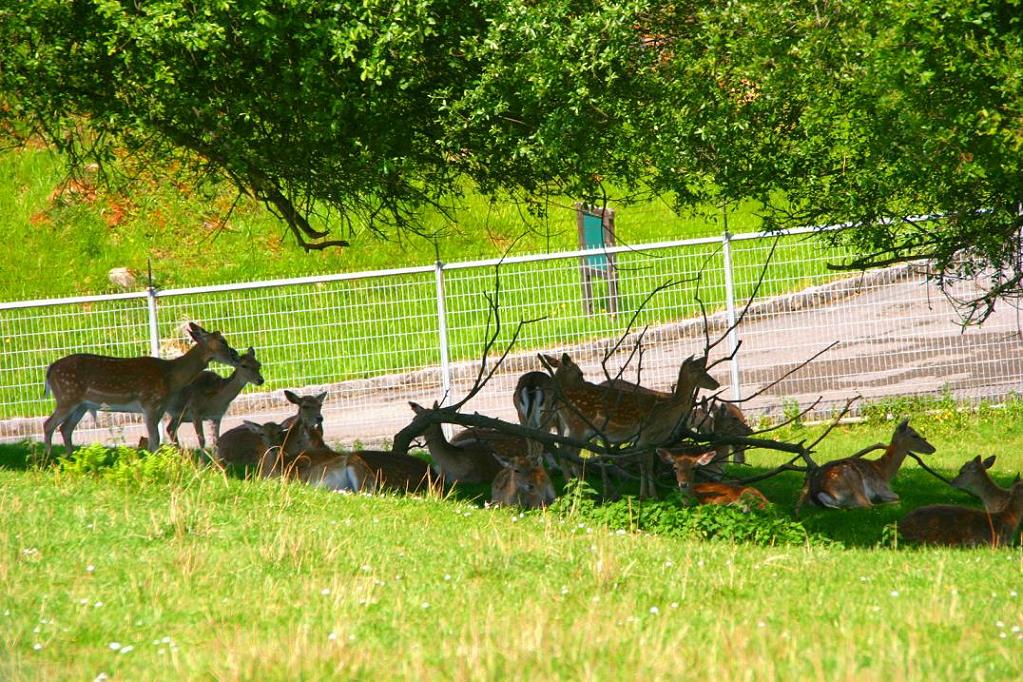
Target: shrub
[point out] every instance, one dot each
(674, 516)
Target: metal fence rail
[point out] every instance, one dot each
(375, 340)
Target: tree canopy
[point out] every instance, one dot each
(835, 111)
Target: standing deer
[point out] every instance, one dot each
(522, 482)
(946, 524)
(84, 382)
(974, 479)
(618, 416)
(857, 482)
(208, 397)
(468, 463)
(533, 400)
(304, 429)
(685, 465)
(248, 444)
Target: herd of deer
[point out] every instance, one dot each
(615, 412)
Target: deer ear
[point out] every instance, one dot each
(252, 426)
(665, 455)
(549, 361)
(503, 461)
(292, 398)
(706, 458)
(251, 351)
(196, 332)
(987, 462)
(321, 397)
(416, 407)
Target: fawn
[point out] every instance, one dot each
(974, 479)
(304, 429)
(586, 410)
(208, 397)
(946, 524)
(685, 465)
(857, 482)
(522, 482)
(468, 463)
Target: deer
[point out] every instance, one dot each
(85, 382)
(974, 479)
(719, 417)
(248, 443)
(522, 482)
(304, 429)
(853, 482)
(401, 473)
(468, 463)
(320, 467)
(619, 416)
(947, 524)
(685, 465)
(208, 397)
(532, 397)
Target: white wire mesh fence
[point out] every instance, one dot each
(374, 341)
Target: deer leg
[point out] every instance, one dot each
(51, 424)
(152, 419)
(67, 427)
(647, 486)
(216, 431)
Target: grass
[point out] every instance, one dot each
(204, 575)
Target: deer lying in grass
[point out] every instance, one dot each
(857, 482)
(401, 473)
(946, 524)
(84, 382)
(303, 430)
(587, 410)
(685, 466)
(974, 479)
(468, 463)
(208, 397)
(248, 444)
(522, 482)
(321, 467)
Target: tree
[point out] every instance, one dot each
(858, 112)
(324, 112)
(826, 111)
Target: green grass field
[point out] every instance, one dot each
(167, 571)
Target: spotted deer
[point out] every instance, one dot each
(84, 382)
(466, 463)
(974, 479)
(304, 429)
(247, 444)
(946, 524)
(858, 482)
(208, 397)
(685, 465)
(522, 482)
(586, 410)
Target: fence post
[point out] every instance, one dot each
(442, 331)
(154, 329)
(733, 335)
